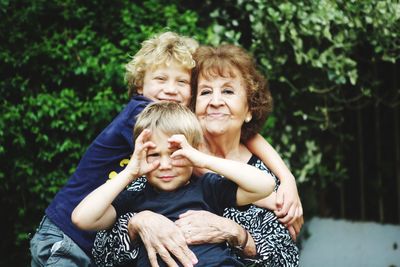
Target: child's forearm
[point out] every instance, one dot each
(95, 212)
(253, 183)
(262, 149)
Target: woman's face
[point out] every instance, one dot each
(221, 104)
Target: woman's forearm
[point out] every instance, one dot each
(242, 241)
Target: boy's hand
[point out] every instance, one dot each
(185, 154)
(289, 208)
(138, 164)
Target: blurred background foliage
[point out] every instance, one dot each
(332, 68)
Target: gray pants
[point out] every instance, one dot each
(51, 247)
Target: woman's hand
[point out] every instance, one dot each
(199, 227)
(161, 236)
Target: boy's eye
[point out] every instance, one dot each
(152, 157)
(159, 78)
(183, 82)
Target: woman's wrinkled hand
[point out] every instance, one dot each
(199, 227)
(161, 236)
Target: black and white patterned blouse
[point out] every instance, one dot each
(274, 245)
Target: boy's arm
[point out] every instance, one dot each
(95, 211)
(253, 183)
(287, 198)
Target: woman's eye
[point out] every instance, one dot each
(228, 91)
(205, 92)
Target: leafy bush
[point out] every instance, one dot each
(323, 59)
(61, 80)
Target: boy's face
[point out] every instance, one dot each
(166, 177)
(167, 83)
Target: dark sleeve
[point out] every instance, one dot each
(219, 192)
(123, 202)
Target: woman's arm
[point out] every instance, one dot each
(289, 207)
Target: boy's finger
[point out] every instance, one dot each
(154, 165)
(282, 210)
(286, 214)
(180, 162)
(292, 232)
(149, 144)
(178, 139)
(144, 136)
(279, 199)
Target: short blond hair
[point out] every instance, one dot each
(161, 49)
(170, 118)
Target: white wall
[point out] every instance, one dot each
(342, 243)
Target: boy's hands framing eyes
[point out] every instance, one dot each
(138, 164)
(185, 154)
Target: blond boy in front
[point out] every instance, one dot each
(167, 135)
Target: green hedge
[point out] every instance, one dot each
(61, 81)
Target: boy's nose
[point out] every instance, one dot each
(165, 162)
(170, 88)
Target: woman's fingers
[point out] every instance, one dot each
(199, 226)
(182, 252)
(162, 237)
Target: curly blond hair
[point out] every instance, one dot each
(161, 49)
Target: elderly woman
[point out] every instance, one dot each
(231, 100)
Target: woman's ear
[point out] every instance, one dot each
(248, 117)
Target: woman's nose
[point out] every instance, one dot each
(216, 99)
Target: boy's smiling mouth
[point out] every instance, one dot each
(166, 178)
(170, 100)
